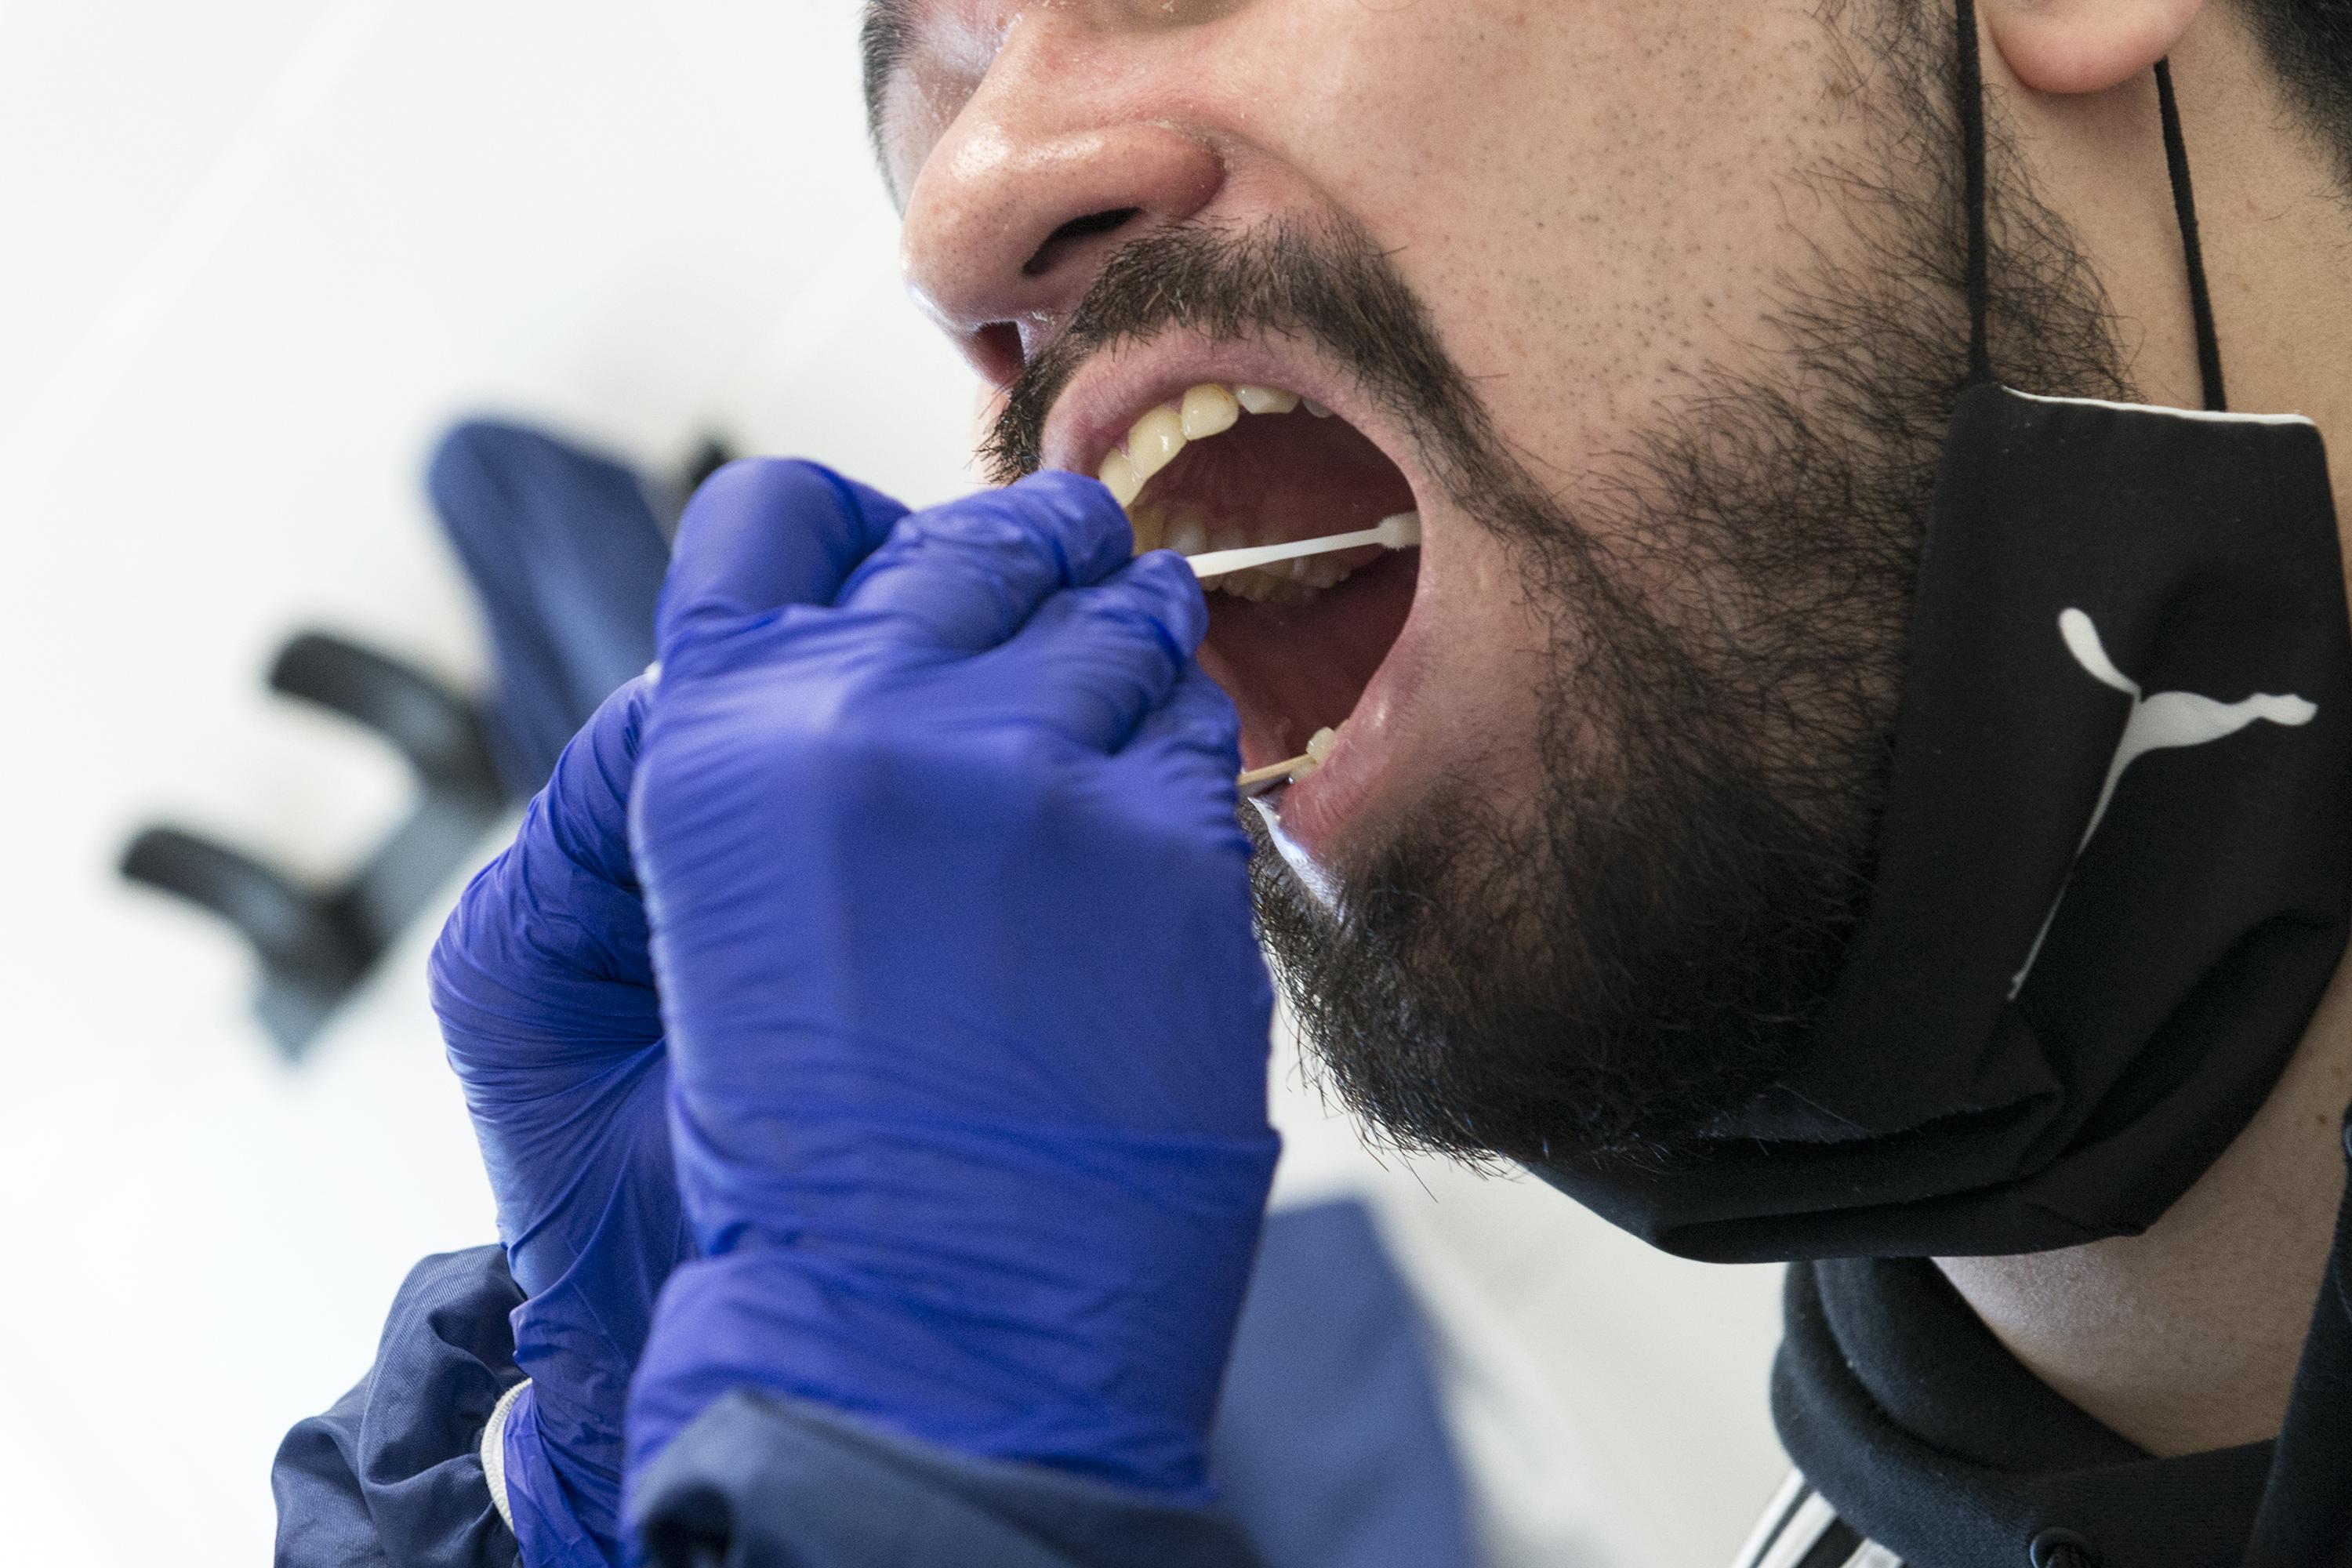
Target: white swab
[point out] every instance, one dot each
(1399, 532)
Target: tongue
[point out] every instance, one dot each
(1292, 670)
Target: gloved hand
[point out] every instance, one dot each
(545, 994)
(968, 1025)
(546, 1000)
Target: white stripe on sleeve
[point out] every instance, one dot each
(1775, 1513)
(1806, 1526)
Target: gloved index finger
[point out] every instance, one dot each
(1092, 663)
(763, 533)
(971, 573)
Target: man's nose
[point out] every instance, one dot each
(1020, 204)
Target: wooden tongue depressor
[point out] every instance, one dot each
(1399, 532)
(1257, 781)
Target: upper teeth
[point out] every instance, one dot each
(1118, 473)
(1159, 437)
(1209, 411)
(1156, 440)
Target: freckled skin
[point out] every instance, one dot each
(1597, 201)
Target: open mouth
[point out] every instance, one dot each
(1297, 642)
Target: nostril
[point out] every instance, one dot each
(1076, 232)
(996, 349)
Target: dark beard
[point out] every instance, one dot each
(1607, 969)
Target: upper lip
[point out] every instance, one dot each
(1118, 387)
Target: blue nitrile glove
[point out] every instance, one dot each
(545, 995)
(544, 988)
(968, 1025)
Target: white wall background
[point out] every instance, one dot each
(253, 254)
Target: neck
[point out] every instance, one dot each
(2187, 1338)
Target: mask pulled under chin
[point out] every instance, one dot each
(2115, 868)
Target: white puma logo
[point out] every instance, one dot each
(2157, 723)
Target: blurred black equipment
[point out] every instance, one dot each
(317, 944)
(566, 550)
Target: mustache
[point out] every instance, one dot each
(1330, 284)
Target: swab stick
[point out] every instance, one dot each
(1257, 781)
(1397, 532)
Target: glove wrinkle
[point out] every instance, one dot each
(543, 988)
(967, 1024)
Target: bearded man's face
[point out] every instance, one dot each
(1653, 314)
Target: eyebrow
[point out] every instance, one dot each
(884, 39)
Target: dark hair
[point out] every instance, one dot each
(2309, 42)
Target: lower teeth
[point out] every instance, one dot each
(1284, 583)
(1265, 588)
(1299, 569)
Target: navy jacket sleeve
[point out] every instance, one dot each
(759, 1482)
(391, 1477)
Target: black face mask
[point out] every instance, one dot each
(2115, 868)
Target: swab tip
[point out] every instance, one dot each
(1257, 781)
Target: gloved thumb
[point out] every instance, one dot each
(763, 533)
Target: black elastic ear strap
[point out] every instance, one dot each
(2184, 208)
(1980, 268)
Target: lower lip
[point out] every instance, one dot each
(1320, 811)
(1315, 810)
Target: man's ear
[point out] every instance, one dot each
(2084, 46)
